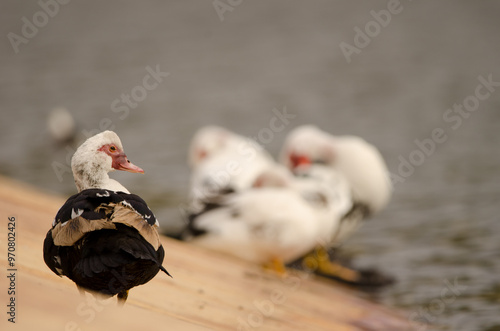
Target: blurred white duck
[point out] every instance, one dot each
(352, 160)
(61, 125)
(221, 159)
(360, 162)
(276, 221)
(329, 193)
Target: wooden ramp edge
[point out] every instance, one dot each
(208, 291)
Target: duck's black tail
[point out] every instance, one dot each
(165, 271)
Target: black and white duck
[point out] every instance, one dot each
(104, 238)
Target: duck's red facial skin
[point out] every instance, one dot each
(119, 159)
(201, 154)
(297, 160)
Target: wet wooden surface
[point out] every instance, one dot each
(209, 291)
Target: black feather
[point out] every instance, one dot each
(192, 230)
(108, 261)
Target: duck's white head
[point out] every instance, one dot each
(357, 160)
(97, 156)
(211, 140)
(306, 145)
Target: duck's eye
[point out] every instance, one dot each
(112, 148)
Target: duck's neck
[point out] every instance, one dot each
(95, 177)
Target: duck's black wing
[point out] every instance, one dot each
(104, 241)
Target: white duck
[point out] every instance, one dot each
(104, 238)
(61, 125)
(360, 164)
(221, 159)
(276, 221)
(354, 158)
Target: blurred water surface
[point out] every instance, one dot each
(442, 224)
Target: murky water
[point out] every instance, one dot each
(439, 236)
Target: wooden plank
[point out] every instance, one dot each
(209, 290)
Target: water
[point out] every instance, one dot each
(441, 226)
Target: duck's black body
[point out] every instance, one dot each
(104, 241)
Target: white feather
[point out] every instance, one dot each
(230, 160)
(75, 214)
(329, 194)
(360, 162)
(127, 204)
(104, 195)
(61, 124)
(261, 224)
